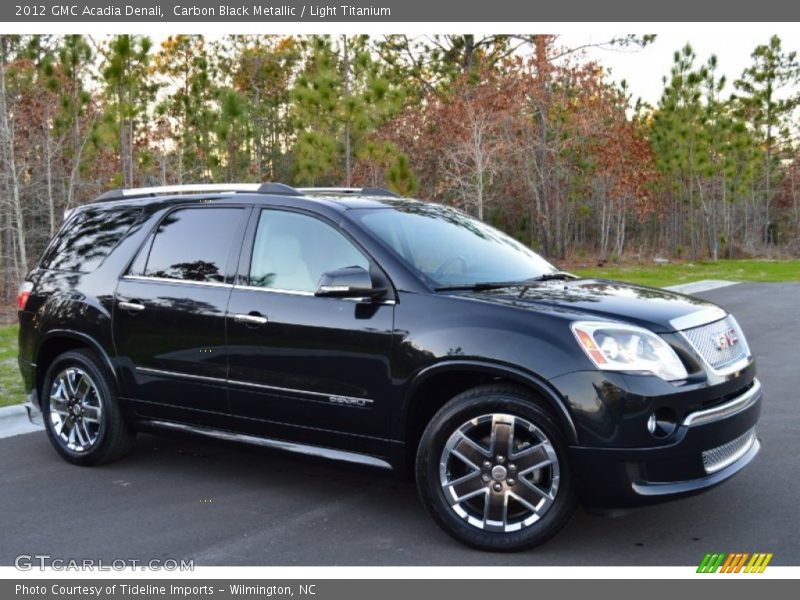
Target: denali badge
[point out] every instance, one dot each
(349, 401)
(726, 339)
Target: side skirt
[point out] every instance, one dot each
(297, 448)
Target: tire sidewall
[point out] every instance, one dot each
(445, 422)
(81, 360)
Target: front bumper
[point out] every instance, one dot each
(708, 447)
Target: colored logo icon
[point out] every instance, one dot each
(735, 562)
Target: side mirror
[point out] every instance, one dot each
(348, 282)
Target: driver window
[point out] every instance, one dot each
(292, 251)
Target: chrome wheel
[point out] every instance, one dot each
(75, 409)
(499, 472)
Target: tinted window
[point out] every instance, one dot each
(291, 251)
(88, 237)
(450, 248)
(194, 244)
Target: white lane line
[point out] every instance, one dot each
(704, 285)
(14, 421)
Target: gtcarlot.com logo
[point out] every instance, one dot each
(734, 562)
(29, 562)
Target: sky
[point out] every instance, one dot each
(644, 69)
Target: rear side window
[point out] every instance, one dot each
(194, 244)
(88, 238)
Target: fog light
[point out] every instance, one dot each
(662, 423)
(651, 423)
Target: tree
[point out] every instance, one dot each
(233, 134)
(761, 102)
(340, 95)
(130, 89)
(184, 65)
(263, 71)
(431, 63)
(10, 168)
(472, 120)
(76, 59)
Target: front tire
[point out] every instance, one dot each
(493, 472)
(82, 416)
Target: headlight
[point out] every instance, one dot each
(619, 347)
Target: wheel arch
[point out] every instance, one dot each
(57, 341)
(467, 374)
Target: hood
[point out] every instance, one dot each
(588, 299)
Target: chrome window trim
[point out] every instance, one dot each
(723, 411)
(255, 288)
(698, 318)
(177, 281)
(297, 448)
(251, 288)
(272, 388)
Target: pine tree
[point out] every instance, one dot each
(184, 64)
(763, 103)
(128, 85)
(262, 71)
(340, 95)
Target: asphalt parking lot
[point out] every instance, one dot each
(222, 505)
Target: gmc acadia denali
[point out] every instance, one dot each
(358, 326)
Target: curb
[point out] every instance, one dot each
(14, 421)
(8, 412)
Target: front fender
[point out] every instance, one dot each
(509, 372)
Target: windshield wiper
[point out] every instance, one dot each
(554, 276)
(479, 287)
(496, 285)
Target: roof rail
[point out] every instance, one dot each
(258, 188)
(367, 191)
(278, 188)
(199, 188)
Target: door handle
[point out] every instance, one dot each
(251, 319)
(131, 306)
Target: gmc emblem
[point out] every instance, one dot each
(726, 339)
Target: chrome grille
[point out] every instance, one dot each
(715, 344)
(726, 454)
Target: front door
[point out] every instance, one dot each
(306, 362)
(169, 314)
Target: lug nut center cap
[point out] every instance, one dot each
(499, 473)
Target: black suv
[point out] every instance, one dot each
(394, 333)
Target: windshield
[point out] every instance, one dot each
(449, 248)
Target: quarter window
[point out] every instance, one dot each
(194, 244)
(88, 238)
(292, 251)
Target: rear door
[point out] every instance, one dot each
(169, 312)
(297, 359)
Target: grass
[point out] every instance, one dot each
(10, 381)
(675, 273)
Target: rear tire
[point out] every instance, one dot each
(493, 471)
(81, 412)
